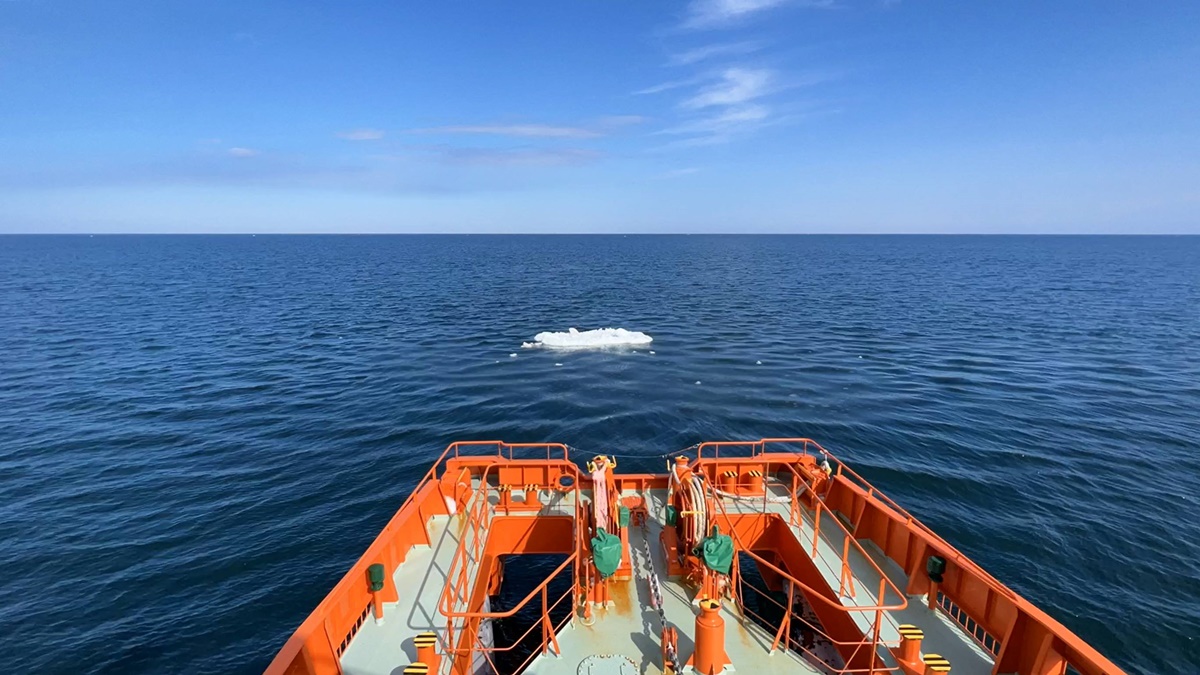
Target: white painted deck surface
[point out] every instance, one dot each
(631, 628)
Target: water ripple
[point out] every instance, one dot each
(199, 434)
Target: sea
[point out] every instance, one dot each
(200, 434)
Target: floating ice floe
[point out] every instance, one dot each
(512, 355)
(589, 339)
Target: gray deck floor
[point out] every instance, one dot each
(942, 636)
(630, 628)
(385, 649)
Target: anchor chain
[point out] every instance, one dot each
(656, 598)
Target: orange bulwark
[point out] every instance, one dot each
(767, 555)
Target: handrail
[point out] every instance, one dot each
(759, 447)
(878, 609)
(461, 553)
(789, 577)
(849, 537)
(459, 586)
(818, 630)
(784, 629)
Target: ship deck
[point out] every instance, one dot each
(630, 628)
(801, 565)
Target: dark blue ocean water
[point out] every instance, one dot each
(198, 435)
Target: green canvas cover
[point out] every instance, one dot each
(717, 551)
(606, 552)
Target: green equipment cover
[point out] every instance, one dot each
(606, 552)
(717, 551)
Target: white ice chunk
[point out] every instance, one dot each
(589, 339)
(512, 355)
(758, 363)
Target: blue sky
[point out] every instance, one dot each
(599, 116)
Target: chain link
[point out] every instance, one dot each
(656, 595)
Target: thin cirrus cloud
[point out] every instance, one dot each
(361, 135)
(727, 103)
(708, 52)
(243, 152)
(732, 87)
(725, 99)
(711, 14)
(668, 86)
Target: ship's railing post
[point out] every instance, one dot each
(847, 580)
(817, 528)
(878, 626)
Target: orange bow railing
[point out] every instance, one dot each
(461, 640)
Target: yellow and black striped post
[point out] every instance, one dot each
(426, 644)
(756, 481)
(505, 496)
(935, 664)
(416, 669)
(531, 493)
(910, 644)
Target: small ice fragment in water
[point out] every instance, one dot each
(589, 339)
(558, 364)
(651, 351)
(758, 363)
(697, 381)
(512, 355)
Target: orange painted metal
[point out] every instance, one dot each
(909, 653)
(317, 645)
(426, 644)
(709, 657)
(1023, 638)
(822, 495)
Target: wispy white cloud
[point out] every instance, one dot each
(518, 130)
(361, 135)
(668, 86)
(690, 56)
(705, 14)
(725, 123)
(734, 86)
(729, 104)
(243, 152)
